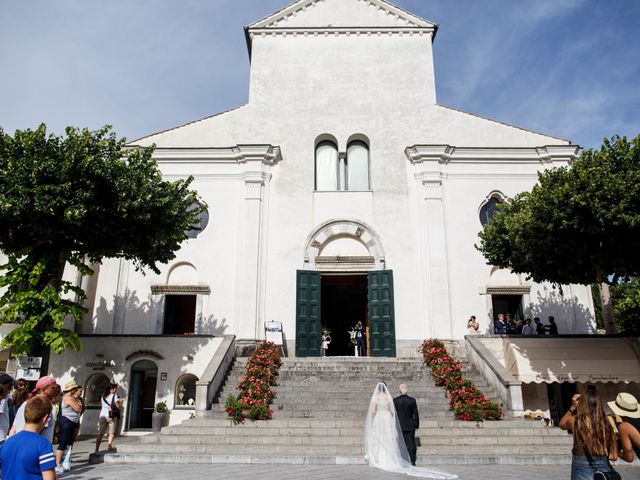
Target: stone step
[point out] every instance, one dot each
(255, 447)
(451, 432)
(424, 433)
(219, 421)
(442, 461)
(274, 438)
(301, 413)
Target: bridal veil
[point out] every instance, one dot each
(383, 440)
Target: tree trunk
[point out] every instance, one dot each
(607, 308)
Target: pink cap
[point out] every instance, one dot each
(44, 382)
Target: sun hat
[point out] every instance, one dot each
(625, 405)
(70, 386)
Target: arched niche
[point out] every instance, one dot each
(343, 245)
(183, 273)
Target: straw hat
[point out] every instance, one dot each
(625, 405)
(70, 386)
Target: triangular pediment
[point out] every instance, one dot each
(331, 14)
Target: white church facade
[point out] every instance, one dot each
(341, 175)
(341, 192)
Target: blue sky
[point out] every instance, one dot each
(569, 68)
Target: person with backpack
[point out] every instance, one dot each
(109, 415)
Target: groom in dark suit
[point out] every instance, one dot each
(409, 421)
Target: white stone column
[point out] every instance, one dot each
(250, 247)
(251, 266)
(428, 162)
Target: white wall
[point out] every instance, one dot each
(181, 355)
(303, 86)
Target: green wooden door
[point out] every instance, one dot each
(382, 331)
(307, 313)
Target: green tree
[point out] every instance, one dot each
(626, 305)
(77, 199)
(579, 224)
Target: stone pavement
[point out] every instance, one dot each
(320, 472)
(82, 470)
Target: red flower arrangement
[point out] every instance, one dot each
(465, 400)
(255, 386)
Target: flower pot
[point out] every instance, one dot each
(159, 420)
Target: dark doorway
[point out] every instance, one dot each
(560, 395)
(142, 395)
(507, 304)
(343, 303)
(179, 314)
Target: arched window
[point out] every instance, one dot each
(94, 389)
(489, 209)
(326, 166)
(201, 223)
(186, 391)
(357, 177)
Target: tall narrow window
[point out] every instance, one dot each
(326, 166)
(488, 210)
(357, 177)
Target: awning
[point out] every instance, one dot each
(571, 359)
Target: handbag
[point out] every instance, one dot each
(114, 411)
(597, 474)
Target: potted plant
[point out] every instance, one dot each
(160, 416)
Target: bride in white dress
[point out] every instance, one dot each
(384, 444)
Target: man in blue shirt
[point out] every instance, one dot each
(26, 455)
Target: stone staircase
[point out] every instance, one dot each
(319, 418)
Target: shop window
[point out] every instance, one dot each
(94, 389)
(186, 391)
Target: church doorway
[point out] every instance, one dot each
(350, 297)
(511, 304)
(343, 304)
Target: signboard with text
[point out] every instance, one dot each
(26, 362)
(273, 332)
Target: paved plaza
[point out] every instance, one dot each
(319, 472)
(82, 470)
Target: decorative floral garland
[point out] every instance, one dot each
(465, 400)
(255, 386)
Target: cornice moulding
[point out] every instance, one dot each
(443, 154)
(266, 154)
(347, 31)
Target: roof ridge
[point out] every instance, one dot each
(504, 123)
(307, 3)
(188, 123)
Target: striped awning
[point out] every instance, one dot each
(572, 359)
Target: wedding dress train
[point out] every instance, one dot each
(384, 444)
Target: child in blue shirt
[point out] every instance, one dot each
(26, 455)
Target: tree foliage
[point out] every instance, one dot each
(77, 199)
(626, 305)
(579, 224)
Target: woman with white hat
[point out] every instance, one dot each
(627, 422)
(71, 409)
